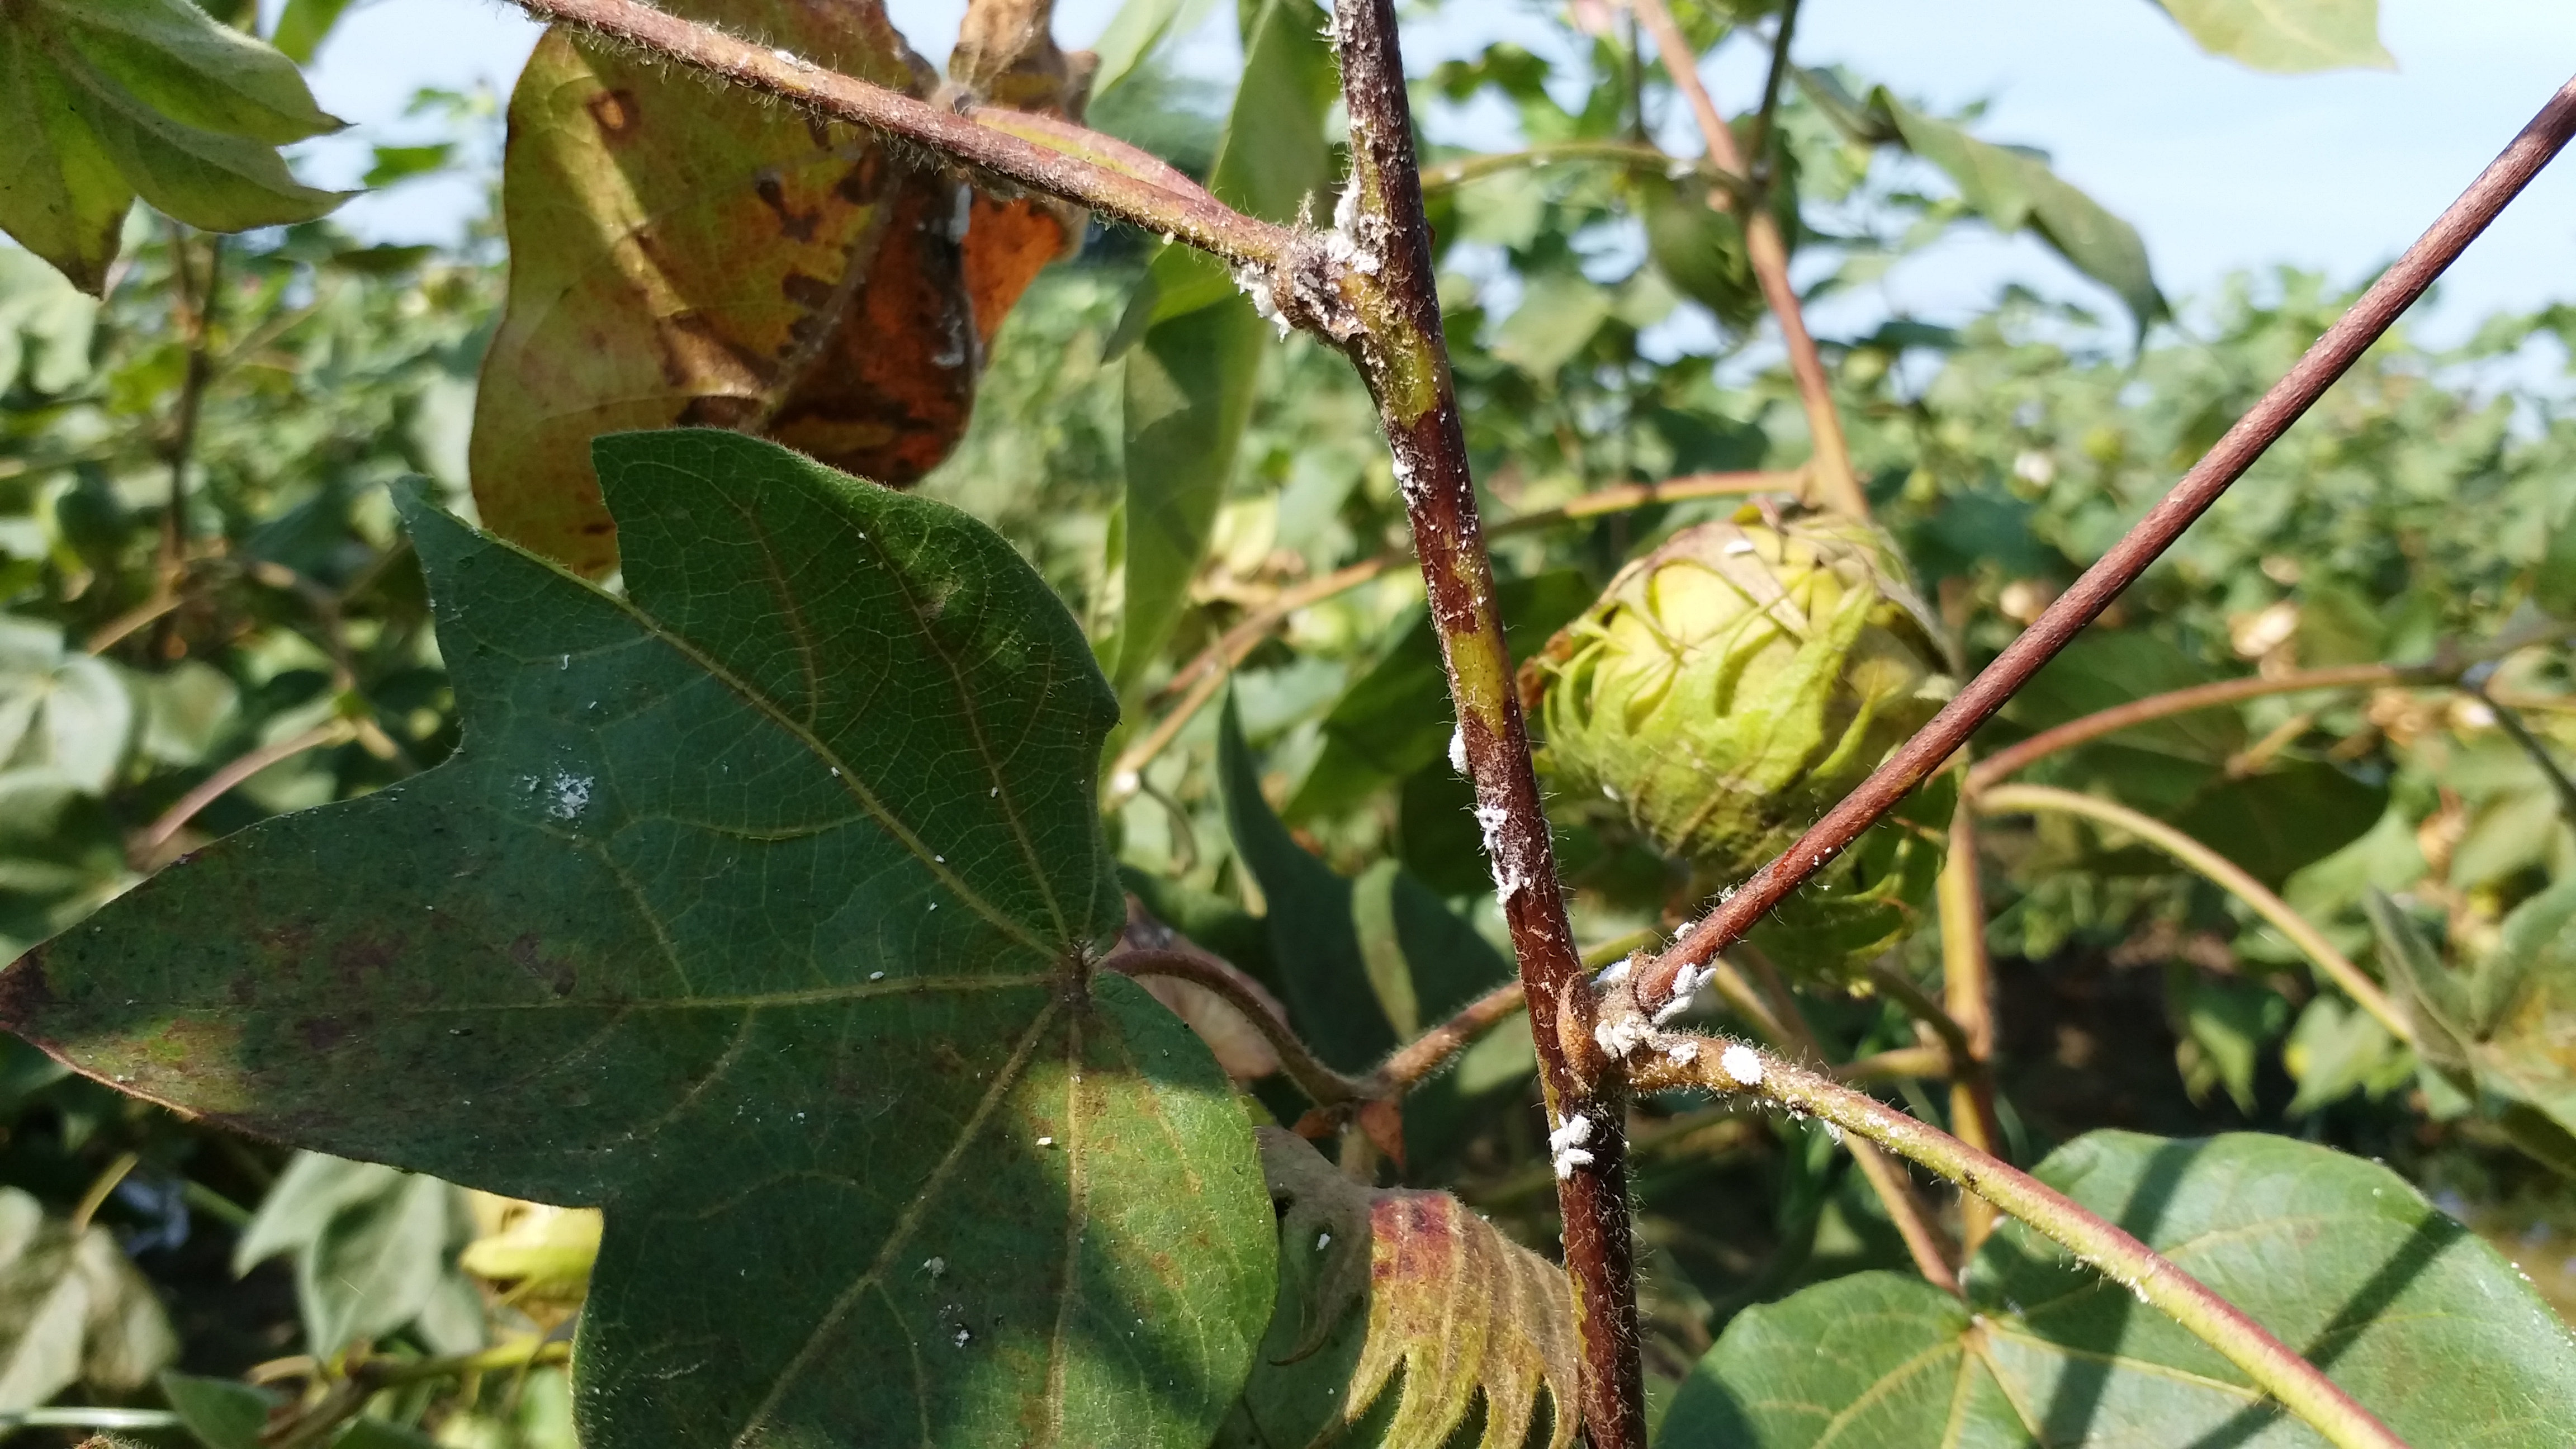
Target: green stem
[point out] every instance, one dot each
(2221, 872)
(2475, 682)
(2299, 1386)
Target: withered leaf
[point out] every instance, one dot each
(687, 255)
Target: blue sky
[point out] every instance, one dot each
(2221, 168)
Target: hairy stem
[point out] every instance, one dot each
(2226, 874)
(1155, 198)
(1198, 681)
(1895, 1193)
(2291, 1380)
(1429, 1052)
(2334, 353)
(1402, 354)
(1836, 484)
(1968, 1004)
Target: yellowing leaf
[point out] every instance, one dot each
(2286, 36)
(681, 254)
(1455, 1307)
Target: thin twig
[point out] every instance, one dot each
(1837, 484)
(192, 313)
(1164, 203)
(2222, 872)
(1916, 760)
(1757, 174)
(2292, 1381)
(2449, 666)
(2085, 729)
(215, 786)
(1968, 1003)
(1322, 1085)
(1467, 169)
(2475, 682)
(1895, 1192)
(1401, 352)
(1417, 1059)
(1198, 681)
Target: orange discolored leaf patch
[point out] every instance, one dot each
(682, 254)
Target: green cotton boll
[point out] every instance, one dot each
(1729, 687)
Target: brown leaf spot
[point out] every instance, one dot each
(554, 973)
(792, 224)
(25, 994)
(359, 957)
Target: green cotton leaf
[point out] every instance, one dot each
(1190, 379)
(302, 27)
(2287, 37)
(2336, 1050)
(402, 163)
(46, 327)
(108, 98)
(757, 909)
(73, 1309)
(380, 1262)
(62, 712)
(1322, 973)
(1400, 1315)
(2435, 1000)
(221, 1413)
(1136, 32)
(1188, 393)
(2416, 1317)
(2015, 190)
(2511, 1023)
(2535, 941)
(2292, 815)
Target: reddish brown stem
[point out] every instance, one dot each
(1429, 1052)
(215, 786)
(2007, 762)
(1322, 1085)
(1156, 199)
(1401, 352)
(2333, 354)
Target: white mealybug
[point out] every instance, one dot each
(1741, 1063)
